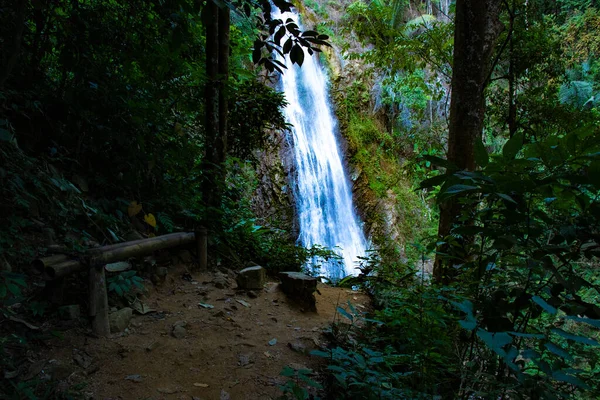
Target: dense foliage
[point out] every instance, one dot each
(103, 134)
(103, 139)
(519, 317)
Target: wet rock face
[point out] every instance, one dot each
(252, 278)
(274, 197)
(300, 288)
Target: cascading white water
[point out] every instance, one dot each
(323, 193)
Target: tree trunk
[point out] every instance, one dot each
(211, 102)
(512, 102)
(223, 69)
(217, 73)
(477, 27)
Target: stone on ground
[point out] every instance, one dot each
(221, 281)
(300, 288)
(252, 278)
(179, 330)
(119, 320)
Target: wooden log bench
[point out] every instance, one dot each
(94, 260)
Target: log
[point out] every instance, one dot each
(99, 302)
(108, 254)
(111, 247)
(202, 244)
(59, 265)
(40, 264)
(63, 269)
(58, 249)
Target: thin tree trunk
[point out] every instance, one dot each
(211, 100)
(477, 27)
(223, 69)
(512, 102)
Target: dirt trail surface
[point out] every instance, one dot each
(188, 350)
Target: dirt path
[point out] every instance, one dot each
(228, 350)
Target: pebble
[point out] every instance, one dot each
(134, 378)
(179, 332)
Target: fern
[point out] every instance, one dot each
(166, 222)
(575, 93)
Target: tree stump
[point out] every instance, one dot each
(300, 288)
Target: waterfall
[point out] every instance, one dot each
(445, 7)
(322, 188)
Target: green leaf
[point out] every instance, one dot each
(589, 321)
(466, 306)
(481, 155)
(575, 338)
(530, 354)
(454, 189)
(14, 289)
(440, 162)
(113, 235)
(542, 303)
(320, 353)
(527, 335)
(345, 313)
(434, 181)
(297, 55)
(563, 377)
(559, 351)
(496, 341)
(287, 372)
(469, 323)
(287, 46)
(506, 197)
(513, 146)
(279, 35)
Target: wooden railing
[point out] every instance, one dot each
(94, 260)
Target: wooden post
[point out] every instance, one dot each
(99, 302)
(202, 243)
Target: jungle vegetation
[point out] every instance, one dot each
(479, 119)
